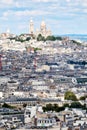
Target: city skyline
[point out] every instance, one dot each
(62, 17)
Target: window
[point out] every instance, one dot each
(45, 121)
(40, 121)
(50, 121)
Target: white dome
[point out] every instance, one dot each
(43, 23)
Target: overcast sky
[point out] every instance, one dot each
(61, 16)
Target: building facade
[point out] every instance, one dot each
(42, 30)
(31, 27)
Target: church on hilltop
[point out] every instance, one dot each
(42, 30)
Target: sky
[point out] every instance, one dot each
(61, 16)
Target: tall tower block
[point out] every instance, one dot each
(0, 63)
(31, 27)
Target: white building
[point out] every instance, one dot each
(1, 94)
(43, 29)
(31, 27)
(30, 112)
(47, 122)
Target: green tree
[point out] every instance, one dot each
(36, 49)
(62, 108)
(40, 38)
(66, 105)
(8, 106)
(28, 38)
(24, 105)
(49, 107)
(44, 108)
(55, 107)
(59, 38)
(76, 105)
(83, 97)
(70, 96)
(53, 38)
(50, 38)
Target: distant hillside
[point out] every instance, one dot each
(81, 37)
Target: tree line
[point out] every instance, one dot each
(48, 38)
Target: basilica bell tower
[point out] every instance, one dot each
(31, 27)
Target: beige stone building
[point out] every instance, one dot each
(31, 27)
(42, 30)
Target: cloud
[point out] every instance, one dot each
(25, 13)
(22, 26)
(53, 11)
(45, 1)
(80, 3)
(68, 0)
(8, 2)
(14, 3)
(84, 3)
(85, 10)
(3, 18)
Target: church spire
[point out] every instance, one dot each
(31, 27)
